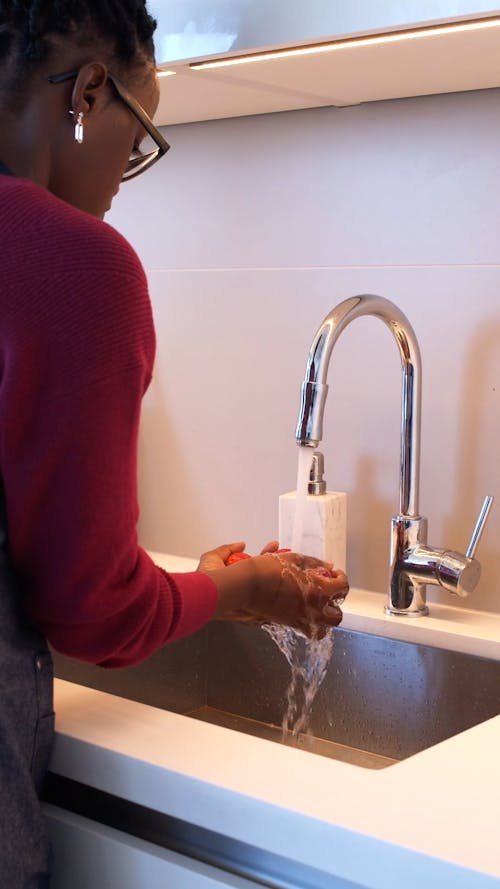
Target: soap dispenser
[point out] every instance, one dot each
(324, 520)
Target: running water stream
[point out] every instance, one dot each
(308, 658)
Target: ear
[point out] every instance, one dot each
(89, 87)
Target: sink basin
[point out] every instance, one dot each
(381, 701)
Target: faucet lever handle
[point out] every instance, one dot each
(478, 530)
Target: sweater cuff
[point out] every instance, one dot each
(197, 599)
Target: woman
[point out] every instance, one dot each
(77, 90)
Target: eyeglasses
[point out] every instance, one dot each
(138, 161)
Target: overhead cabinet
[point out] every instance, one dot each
(235, 72)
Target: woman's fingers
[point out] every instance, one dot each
(217, 558)
(323, 588)
(270, 547)
(326, 596)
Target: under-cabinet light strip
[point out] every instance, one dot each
(335, 45)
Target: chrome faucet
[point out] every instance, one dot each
(413, 564)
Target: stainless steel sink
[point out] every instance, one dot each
(380, 702)
(303, 741)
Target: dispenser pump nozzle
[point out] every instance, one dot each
(317, 484)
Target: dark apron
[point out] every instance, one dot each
(26, 733)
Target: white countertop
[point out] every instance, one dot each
(431, 820)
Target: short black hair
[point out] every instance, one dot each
(123, 24)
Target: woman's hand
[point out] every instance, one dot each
(284, 588)
(217, 558)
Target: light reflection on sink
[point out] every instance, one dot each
(381, 701)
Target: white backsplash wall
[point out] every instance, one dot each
(251, 230)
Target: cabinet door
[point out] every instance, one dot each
(88, 855)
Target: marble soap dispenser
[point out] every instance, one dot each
(324, 519)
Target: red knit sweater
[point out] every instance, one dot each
(76, 355)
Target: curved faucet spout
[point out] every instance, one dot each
(315, 388)
(413, 564)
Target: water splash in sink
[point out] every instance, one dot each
(308, 659)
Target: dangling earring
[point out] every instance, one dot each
(78, 126)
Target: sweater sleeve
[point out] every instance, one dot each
(75, 369)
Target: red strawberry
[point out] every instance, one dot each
(236, 557)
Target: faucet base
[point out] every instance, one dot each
(407, 590)
(392, 612)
